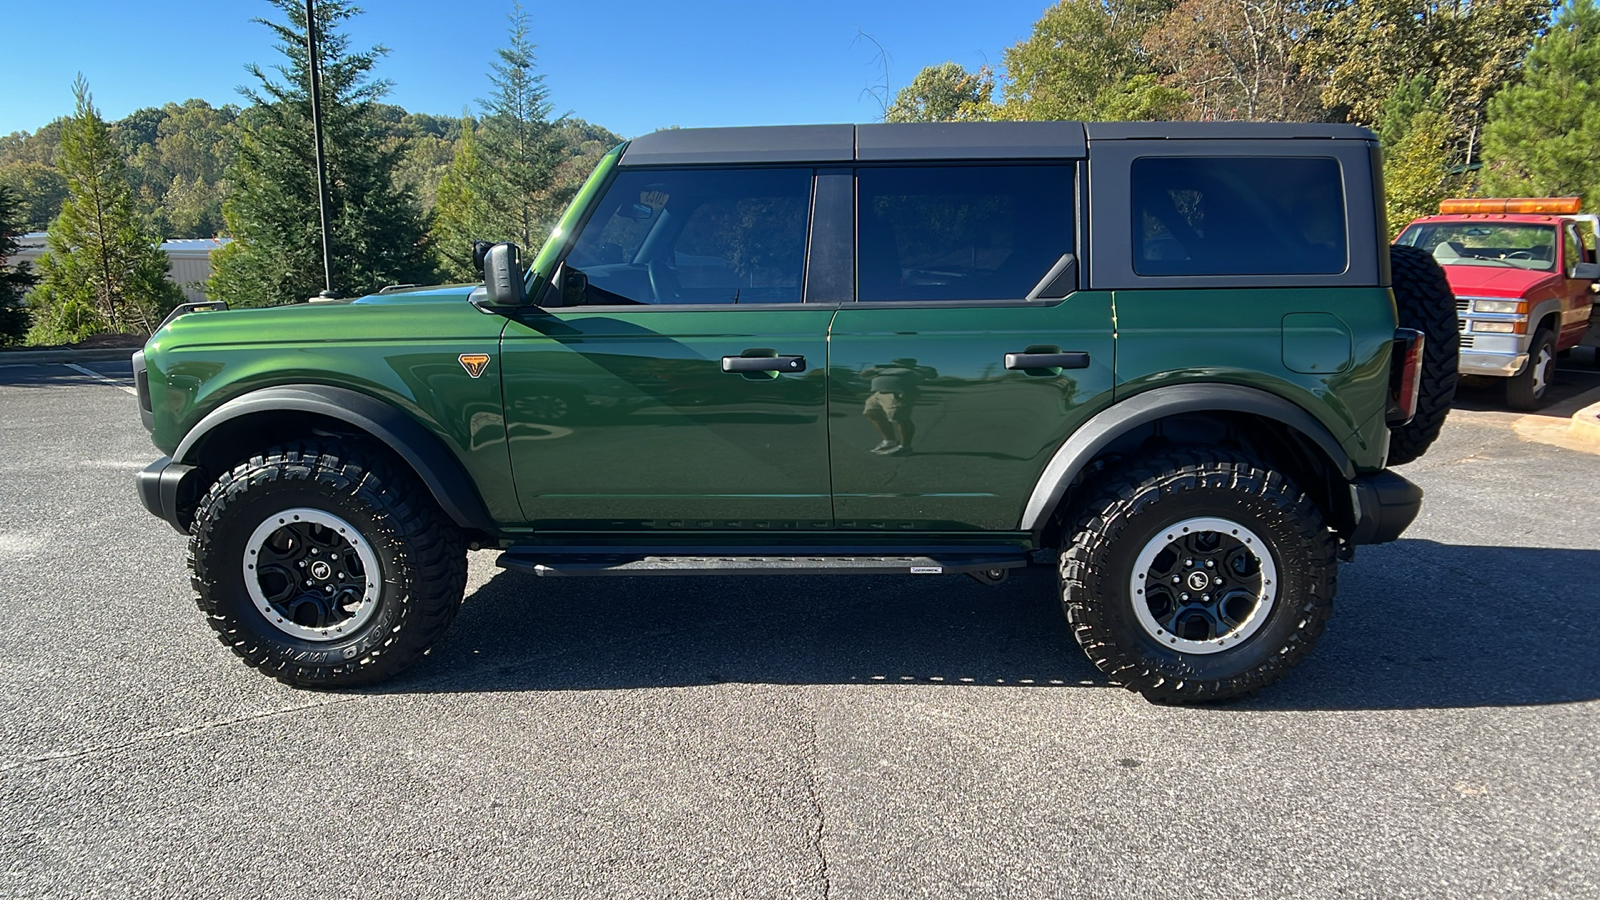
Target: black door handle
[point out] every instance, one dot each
(763, 364)
(1073, 359)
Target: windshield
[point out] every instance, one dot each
(1485, 244)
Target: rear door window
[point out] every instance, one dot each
(1199, 215)
(960, 232)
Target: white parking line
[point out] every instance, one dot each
(101, 378)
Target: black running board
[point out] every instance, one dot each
(985, 563)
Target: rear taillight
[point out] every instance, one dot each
(1405, 375)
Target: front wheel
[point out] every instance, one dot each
(1526, 390)
(1197, 575)
(323, 565)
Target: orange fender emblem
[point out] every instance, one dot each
(474, 363)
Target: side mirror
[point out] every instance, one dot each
(1586, 270)
(502, 276)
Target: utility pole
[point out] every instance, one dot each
(316, 134)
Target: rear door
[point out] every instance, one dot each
(969, 355)
(682, 386)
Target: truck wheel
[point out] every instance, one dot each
(322, 565)
(1526, 390)
(1423, 299)
(1197, 574)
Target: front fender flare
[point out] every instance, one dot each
(423, 450)
(1109, 424)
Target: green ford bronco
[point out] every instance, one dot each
(1171, 360)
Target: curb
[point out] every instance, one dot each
(45, 357)
(1586, 424)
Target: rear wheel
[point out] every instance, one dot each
(1424, 301)
(323, 565)
(1197, 575)
(1527, 389)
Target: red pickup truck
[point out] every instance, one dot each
(1523, 272)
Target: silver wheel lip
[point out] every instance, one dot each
(1541, 366)
(369, 564)
(1171, 533)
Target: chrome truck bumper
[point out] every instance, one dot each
(1503, 365)
(1500, 355)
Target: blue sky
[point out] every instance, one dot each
(628, 65)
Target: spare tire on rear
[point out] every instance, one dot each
(1423, 298)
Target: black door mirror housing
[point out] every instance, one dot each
(502, 276)
(1586, 270)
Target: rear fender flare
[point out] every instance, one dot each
(1109, 424)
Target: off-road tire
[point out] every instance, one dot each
(420, 556)
(1424, 301)
(1134, 505)
(1521, 391)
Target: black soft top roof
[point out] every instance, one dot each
(941, 140)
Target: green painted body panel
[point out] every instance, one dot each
(980, 434)
(1178, 337)
(622, 418)
(400, 348)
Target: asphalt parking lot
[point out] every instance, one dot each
(800, 737)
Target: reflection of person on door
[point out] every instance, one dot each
(893, 393)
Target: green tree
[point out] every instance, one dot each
(376, 231)
(944, 93)
(40, 190)
(14, 280)
(176, 158)
(104, 271)
(462, 212)
(1415, 173)
(1079, 61)
(522, 148)
(1365, 51)
(1543, 136)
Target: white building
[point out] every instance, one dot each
(188, 260)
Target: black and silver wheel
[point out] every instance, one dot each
(307, 572)
(1197, 575)
(1527, 389)
(1203, 585)
(323, 565)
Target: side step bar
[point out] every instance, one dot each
(986, 564)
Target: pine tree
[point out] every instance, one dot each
(14, 280)
(1543, 135)
(375, 231)
(462, 211)
(104, 271)
(522, 147)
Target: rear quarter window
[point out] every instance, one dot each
(1198, 215)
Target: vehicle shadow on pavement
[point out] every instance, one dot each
(1423, 625)
(1576, 385)
(523, 633)
(1417, 625)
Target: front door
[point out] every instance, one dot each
(682, 386)
(950, 389)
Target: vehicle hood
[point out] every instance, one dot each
(429, 313)
(414, 294)
(1498, 281)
